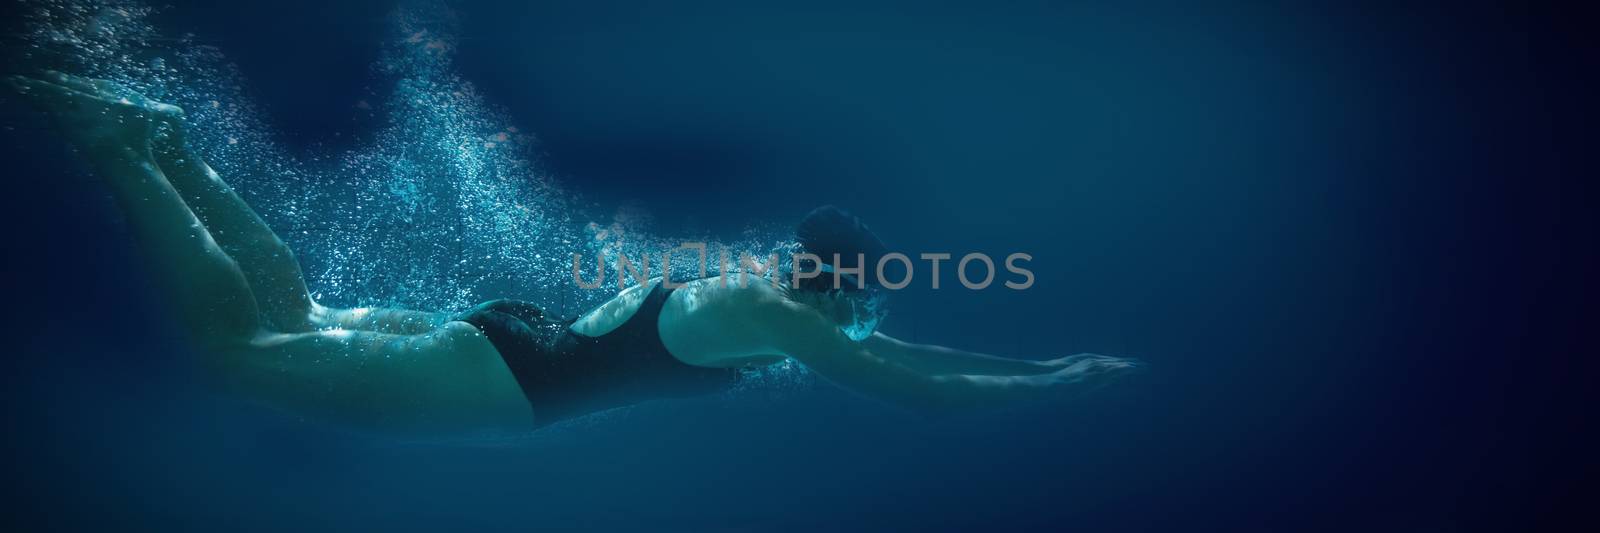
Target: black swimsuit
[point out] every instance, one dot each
(566, 374)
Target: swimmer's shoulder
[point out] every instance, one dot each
(728, 291)
(716, 322)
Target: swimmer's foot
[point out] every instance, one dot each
(100, 116)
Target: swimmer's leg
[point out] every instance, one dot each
(268, 264)
(380, 319)
(214, 300)
(448, 379)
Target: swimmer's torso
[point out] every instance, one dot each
(649, 342)
(703, 323)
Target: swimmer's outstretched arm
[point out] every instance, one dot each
(934, 360)
(923, 377)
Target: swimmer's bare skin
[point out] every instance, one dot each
(240, 293)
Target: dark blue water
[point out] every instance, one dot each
(1340, 237)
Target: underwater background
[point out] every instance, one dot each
(1344, 238)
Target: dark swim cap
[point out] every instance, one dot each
(829, 230)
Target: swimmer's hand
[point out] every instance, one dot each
(1087, 371)
(101, 115)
